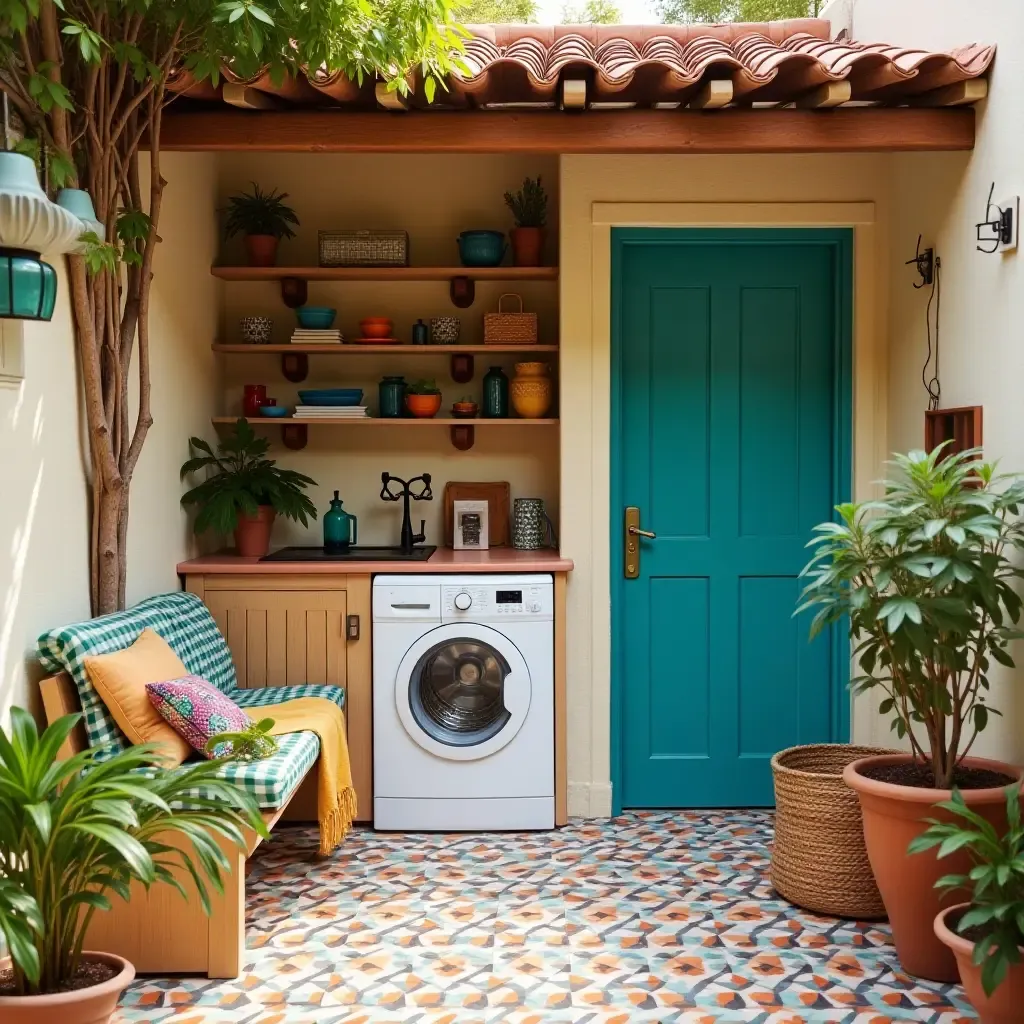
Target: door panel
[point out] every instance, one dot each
(725, 438)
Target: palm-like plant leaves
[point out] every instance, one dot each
(242, 479)
(260, 213)
(72, 831)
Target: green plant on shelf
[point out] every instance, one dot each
(260, 213)
(529, 205)
(424, 387)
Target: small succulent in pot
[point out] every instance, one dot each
(264, 219)
(529, 208)
(423, 399)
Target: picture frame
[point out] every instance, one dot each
(470, 526)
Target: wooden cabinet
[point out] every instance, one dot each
(283, 630)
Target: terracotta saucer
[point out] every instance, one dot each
(374, 341)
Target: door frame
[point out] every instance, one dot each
(840, 239)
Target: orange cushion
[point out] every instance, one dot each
(120, 679)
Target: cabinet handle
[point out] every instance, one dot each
(352, 627)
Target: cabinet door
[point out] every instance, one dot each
(283, 637)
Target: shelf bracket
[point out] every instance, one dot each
(294, 291)
(462, 291)
(461, 368)
(295, 436)
(295, 366)
(463, 438)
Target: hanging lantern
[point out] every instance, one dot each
(28, 286)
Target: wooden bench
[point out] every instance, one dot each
(158, 931)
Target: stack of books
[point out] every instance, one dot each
(312, 412)
(307, 336)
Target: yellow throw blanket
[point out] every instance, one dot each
(336, 797)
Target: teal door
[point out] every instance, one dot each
(730, 410)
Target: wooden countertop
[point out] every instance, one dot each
(441, 561)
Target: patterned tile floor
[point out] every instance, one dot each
(651, 917)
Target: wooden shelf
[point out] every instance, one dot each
(385, 273)
(375, 421)
(378, 350)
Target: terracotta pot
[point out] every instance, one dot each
(893, 817)
(93, 1005)
(531, 390)
(261, 249)
(252, 534)
(527, 246)
(1004, 1005)
(464, 410)
(423, 406)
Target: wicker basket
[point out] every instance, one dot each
(364, 248)
(818, 858)
(503, 328)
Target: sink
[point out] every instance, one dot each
(354, 554)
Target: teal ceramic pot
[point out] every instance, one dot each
(481, 248)
(78, 202)
(495, 402)
(391, 397)
(340, 527)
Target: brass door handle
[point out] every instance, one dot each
(642, 533)
(630, 543)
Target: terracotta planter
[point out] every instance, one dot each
(252, 534)
(1004, 1005)
(261, 249)
(423, 406)
(531, 390)
(893, 817)
(527, 246)
(93, 1005)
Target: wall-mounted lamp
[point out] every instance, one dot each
(999, 230)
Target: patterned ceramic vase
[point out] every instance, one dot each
(531, 527)
(531, 390)
(255, 330)
(445, 330)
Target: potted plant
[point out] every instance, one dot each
(423, 399)
(77, 830)
(247, 490)
(465, 408)
(529, 208)
(986, 935)
(264, 219)
(925, 576)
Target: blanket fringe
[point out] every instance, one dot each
(337, 823)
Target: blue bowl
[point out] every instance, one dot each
(481, 248)
(332, 396)
(274, 412)
(316, 318)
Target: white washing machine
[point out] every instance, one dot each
(463, 702)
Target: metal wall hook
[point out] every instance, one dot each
(925, 263)
(998, 220)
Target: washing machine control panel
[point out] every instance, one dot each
(476, 603)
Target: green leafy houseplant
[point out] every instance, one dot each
(253, 743)
(74, 831)
(926, 578)
(996, 881)
(260, 213)
(529, 205)
(244, 479)
(423, 387)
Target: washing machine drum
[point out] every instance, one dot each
(463, 691)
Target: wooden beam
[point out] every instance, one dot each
(716, 93)
(574, 94)
(390, 100)
(831, 94)
(856, 129)
(957, 95)
(246, 98)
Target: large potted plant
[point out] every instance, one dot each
(74, 832)
(529, 208)
(986, 935)
(264, 219)
(246, 491)
(926, 578)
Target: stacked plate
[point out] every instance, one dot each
(331, 403)
(308, 336)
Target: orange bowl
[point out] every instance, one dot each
(423, 406)
(376, 327)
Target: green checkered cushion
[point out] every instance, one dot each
(181, 619)
(260, 696)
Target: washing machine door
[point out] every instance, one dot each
(463, 691)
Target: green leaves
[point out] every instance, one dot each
(46, 91)
(529, 205)
(260, 213)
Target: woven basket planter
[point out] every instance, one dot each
(818, 858)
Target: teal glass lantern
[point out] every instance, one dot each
(28, 286)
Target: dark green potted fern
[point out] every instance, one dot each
(246, 490)
(529, 207)
(264, 219)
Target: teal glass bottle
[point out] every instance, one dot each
(340, 528)
(495, 403)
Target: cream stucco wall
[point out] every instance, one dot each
(683, 190)
(44, 570)
(941, 197)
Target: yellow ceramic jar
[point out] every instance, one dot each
(531, 390)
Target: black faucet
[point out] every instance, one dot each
(409, 539)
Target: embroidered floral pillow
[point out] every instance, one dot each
(197, 711)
